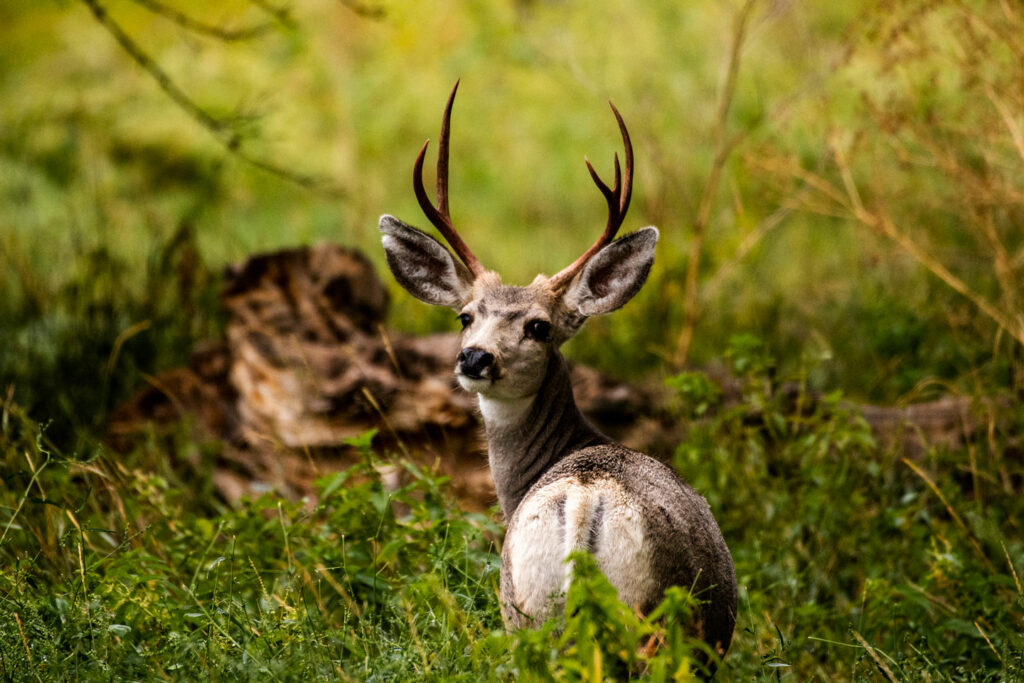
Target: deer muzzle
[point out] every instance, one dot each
(475, 363)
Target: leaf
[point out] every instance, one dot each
(363, 443)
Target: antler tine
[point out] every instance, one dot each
(442, 154)
(618, 197)
(439, 214)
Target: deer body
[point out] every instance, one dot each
(565, 487)
(562, 485)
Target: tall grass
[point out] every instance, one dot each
(852, 565)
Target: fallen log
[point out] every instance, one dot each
(307, 363)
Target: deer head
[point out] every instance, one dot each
(510, 333)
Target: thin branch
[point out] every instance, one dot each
(1011, 124)
(281, 15)
(191, 24)
(810, 179)
(949, 508)
(24, 640)
(169, 87)
(879, 220)
(365, 10)
(1003, 266)
(839, 154)
(882, 222)
(220, 128)
(881, 665)
(724, 146)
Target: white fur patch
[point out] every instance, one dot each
(502, 412)
(536, 554)
(539, 543)
(622, 550)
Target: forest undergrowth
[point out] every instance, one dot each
(852, 564)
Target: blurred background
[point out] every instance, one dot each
(840, 180)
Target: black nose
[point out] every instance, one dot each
(474, 362)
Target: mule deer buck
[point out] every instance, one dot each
(563, 486)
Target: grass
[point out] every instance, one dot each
(367, 584)
(853, 564)
(862, 242)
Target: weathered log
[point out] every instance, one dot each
(307, 363)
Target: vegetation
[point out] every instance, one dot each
(840, 189)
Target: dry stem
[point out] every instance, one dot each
(724, 146)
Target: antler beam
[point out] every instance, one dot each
(439, 215)
(617, 196)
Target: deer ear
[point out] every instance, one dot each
(423, 266)
(614, 275)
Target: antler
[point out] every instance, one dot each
(617, 197)
(439, 215)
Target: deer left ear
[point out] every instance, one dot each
(423, 266)
(614, 275)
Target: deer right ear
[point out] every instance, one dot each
(423, 266)
(613, 275)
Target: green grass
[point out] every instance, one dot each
(112, 573)
(851, 561)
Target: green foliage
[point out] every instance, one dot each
(111, 572)
(698, 393)
(851, 563)
(599, 638)
(840, 545)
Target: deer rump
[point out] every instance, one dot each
(646, 528)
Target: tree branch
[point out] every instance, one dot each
(221, 129)
(191, 24)
(365, 9)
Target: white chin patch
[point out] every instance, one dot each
(474, 386)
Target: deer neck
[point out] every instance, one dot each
(526, 436)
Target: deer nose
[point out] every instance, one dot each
(474, 362)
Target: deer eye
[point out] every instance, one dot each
(539, 330)
(465, 319)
